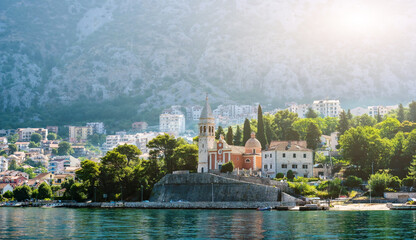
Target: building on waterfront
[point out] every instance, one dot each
(213, 154)
(172, 123)
(79, 134)
(97, 127)
(26, 133)
(282, 156)
(58, 164)
(327, 108)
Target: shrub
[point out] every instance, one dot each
(280, 175)
(395, 183)
(335, 188)
(353, 182)
(8, 195)
(303, 188)
(379, 182)
(290, 175)
(228, 167)
(408, 182)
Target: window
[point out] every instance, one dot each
(294, 155)
(294, 166)
(284, 165)
(265, 166)
(247, 160)
(271, 155)
(271, 166)
(304, 155)
(265, 155)
(254, 151)
(284, 155)
(305, 166)
(305, 175)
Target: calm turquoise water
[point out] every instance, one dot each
(36, 223)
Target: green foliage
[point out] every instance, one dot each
(12, 148)
(320, 158)
(229, 139)
(408, 182)
(162, 148)
(330, 125)
(269, 131)
(246, 131)
(400, 113)
(313, 136)
(290, 175)
(36, 138)
(96, 139)
(13, 165)
(412, 111)
(379, 182)
(13, 138)
(261, 136)
(353, 182)
(238, 136)
(22, 193)
(52, 136)
(407, 126)
(363, 120)
(186, 157)
(311, 113)
(78, 192)
(303, 188)
(219, 132)
(8, 195)
(34, 145)
(388, 128)
(412, 168)
(64, 148)
(344, 123)
(283, 125)
(280, 175)
(131, 152)
(395, 183)
(44, 191)
(227, 167)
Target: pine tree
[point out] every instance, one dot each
(230, 136)
(412, 168)
(412, 111)
(349, 115)
(400, 113)
(260, 128)
(246, 132)
(219, 132)
(344, 124)
(237, 137)
(311, 113)
(313, 136)
(379, 118)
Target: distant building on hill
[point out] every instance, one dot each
(79, 134)
(300, 109)
(327, 108)
(97, 127)
(172, 123)
(373, 111)
(139, 126)
(359, 111)
(53, 129)
(26, 133)
(58, 164)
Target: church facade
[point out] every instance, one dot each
(213, 154)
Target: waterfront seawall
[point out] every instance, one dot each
(206, 187)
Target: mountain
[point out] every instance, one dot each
(82, 60)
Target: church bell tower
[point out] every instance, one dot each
(206, 137)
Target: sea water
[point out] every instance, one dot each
(65, 223)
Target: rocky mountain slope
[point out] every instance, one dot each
(158, 53)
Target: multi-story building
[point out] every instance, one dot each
(53, 129)
(359, 111)
(175, 109)
(79, 134)
(139, 126)
(140, 140)
(97, 127)
(327, 108)
(26, 133)
(58, 164)
(373, 111)
(282, 156)
(7, 132)
(193, 112)
(4, 164)
(300, 109)
(172, 123)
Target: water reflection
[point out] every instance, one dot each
(32, 223)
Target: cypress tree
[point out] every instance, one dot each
(260, 128)
(237, 137)
(400, 113)
(344, 124)
(230, 136)
(246, 132)
(349, 115)
(219, 132)
(412, 111)
(312, 136)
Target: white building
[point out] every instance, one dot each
(300, 109)
(193, 113)
(26, 133)
(4, 164)
(175, 109)
(328, 108)
(359, 111)
(172, 123)
(58, 164)
(79, 134)
(97, 127)
(140, 140)
(373, 111)
(282, 156)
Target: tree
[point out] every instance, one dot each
(270, 134)
(246, 132)
(44, 191)
(353, 182)
(283, 125)
(238, 136)
(13, 138)
(97, 139)
(67, 184)
(186, 157)
(311, 113)
(330, 125)
(227, 167)
(409, 150)
(78, 192)
(400, 113)
(8, 195)
(398, 163)
(301, 126)
(363, 120)
(219, 132)
(113, 173)
(13, 165)
(22, 193)
(12, 148)
(407, 126)
(279, 175)
(52, 136)
(36, 138)
(412, 111)
(131, 152)
(290, 175)
(313, 136)
(388, 128)
(89, 175)
(379, 182)
(260, 128)
(162, 148)
(344, 124)
(412, 168)
(64, 148)
(349, 115)
(378, 117)
(229, 139)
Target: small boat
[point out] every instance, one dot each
(264, 209)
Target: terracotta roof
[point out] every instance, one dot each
(284, 146)
(237, 149)
(41, 176)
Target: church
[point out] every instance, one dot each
(213, 154)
